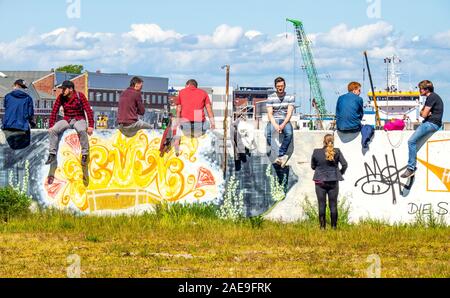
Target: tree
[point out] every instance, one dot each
(72, 68)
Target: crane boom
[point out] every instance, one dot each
(311, 70)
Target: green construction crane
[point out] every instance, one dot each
(308, 59)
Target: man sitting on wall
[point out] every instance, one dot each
(350, 110)
(280, 108)
(76, 107)
(131, 107)
(18, 120)
(191, 105)
(432, 112)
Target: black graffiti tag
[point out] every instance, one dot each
(379, 181)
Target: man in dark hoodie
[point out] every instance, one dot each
(19, 114)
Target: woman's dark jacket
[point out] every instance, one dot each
(328, 171)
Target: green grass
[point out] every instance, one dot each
(190, 241)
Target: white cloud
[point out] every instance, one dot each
(281, 44)
(254, 56)
(251, 34)
(442, 39)
(343, 37)
(152, 33)
(226, 36)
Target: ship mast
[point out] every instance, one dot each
(392, 74)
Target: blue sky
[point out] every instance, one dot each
(204, 15)
(180, 39)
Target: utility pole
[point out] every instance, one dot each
(377, 112)
(225, 120)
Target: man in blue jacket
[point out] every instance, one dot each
(350, 110)
(19, 113)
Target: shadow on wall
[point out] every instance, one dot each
(12, 162)
(254, 172)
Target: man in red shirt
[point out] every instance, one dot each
(131, 107)
(191, 104)
(75, 105)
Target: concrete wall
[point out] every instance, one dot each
(124, 175)
(372, 185)
(127, 175)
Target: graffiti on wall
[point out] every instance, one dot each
(383, 176)
(125, 173)
(435, 151)
(379, 181)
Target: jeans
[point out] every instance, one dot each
(56, 132)
(132, 129)
(332, 190)
(287, 136)
(193, 129)
(423, 133)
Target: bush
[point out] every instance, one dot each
(13, 203)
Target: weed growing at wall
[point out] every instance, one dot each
(177, 212)
(429, 220)
(233, 204)
(311, 211)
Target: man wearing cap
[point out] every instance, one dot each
(75, 105)
(19, 111)
(19, 114)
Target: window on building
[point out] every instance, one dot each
(91, 96)
(111, 97)
(165, 99)
(153, 99)
(117, 96)
(148, 98)
(105, 97)
(159, 99)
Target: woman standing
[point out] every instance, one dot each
(325, 162)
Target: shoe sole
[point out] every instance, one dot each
(412, 175)
(283, 164)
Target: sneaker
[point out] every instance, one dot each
(50, 180)
(278, 161)
(84, 160)
(51, 159)
(283, 160)
(408, 174)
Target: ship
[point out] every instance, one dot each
(393, 102)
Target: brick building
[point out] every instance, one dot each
(249, 102)
(102, 89)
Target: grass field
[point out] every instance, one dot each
(198, 244)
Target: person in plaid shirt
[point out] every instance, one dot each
(75, 105)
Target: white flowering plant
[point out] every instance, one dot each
(233, 205)
(276, 189)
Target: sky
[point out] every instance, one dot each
(193, 39)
